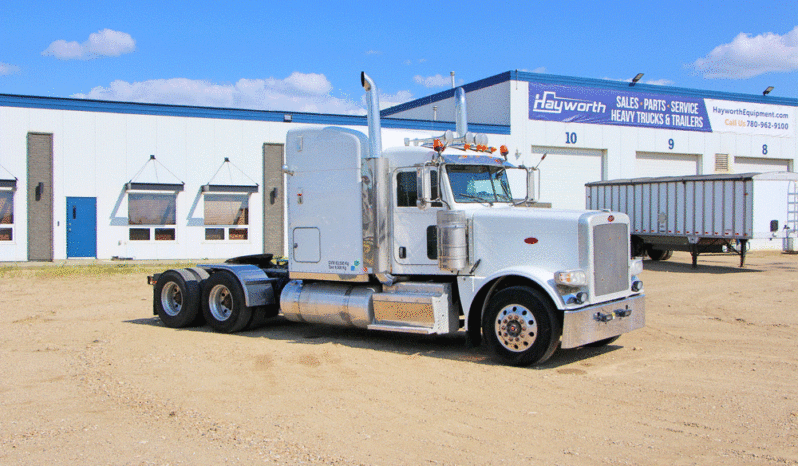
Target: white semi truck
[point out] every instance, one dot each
(427, 238)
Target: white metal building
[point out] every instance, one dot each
(96, 179)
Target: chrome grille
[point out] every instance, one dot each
(610, 258)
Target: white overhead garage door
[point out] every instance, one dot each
(760, 165)
(564, 173)
(652, 164)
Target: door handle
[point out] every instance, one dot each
(39, 190)
(74, 212)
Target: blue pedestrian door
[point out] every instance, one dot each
(81, 227)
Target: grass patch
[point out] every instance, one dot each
(88, 270)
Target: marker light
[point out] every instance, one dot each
(437, 145)
(571, 278)
(466, 146)
(504, 150)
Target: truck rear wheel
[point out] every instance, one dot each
(223, 303)
(521, 327)
(176, 298)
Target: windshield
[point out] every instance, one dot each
(479, 183)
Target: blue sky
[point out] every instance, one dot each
(307, 56)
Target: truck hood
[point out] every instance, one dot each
(506, 237)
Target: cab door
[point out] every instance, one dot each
(415, 238)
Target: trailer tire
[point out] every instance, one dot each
(223, 303)
(176, 298)
(521, 327)
(658, 254)
(637, 246)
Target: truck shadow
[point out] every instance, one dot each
(449, 347)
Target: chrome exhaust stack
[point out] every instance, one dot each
(460, 137)
(374, 170)
(373, 109)
(460, 113)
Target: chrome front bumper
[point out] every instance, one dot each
(596, 323)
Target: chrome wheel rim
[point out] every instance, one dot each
(220, 302)
(171, 299)
(516, 328)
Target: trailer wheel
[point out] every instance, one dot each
(521, 327)
(176, 298)
(637, 246)
(659, 254)
(223, 303)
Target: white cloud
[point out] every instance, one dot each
(7, 69)
(747, 56)
(433, 81)
(299, 92)
(659, 82)
(104, 43)
(373, 52)
(653, 82)
(390, 100)
(539, 69)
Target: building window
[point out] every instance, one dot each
(152, 213)
(6, 215)
(227, 216)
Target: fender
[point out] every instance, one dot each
(257, 286)
(471, 286)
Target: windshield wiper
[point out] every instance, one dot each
(476, 198)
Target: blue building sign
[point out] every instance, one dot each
(553, 102)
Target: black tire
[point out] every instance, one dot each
(223, 303)
(176, 298)
(604, 342)
(528, 314)
(201, 275)
(262, 314)
(637, 246)
(658, 254)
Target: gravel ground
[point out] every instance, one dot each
(91, 377)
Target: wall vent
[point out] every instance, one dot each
(722, 163)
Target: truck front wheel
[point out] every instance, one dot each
(223, 303)
(521, 327)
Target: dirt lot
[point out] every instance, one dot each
(89, 376)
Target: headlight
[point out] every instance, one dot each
(637, 267)
(571, 278)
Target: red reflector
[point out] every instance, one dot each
(531, 240)
(610, 218)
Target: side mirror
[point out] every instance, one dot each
(423, 188)
(530, 184)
